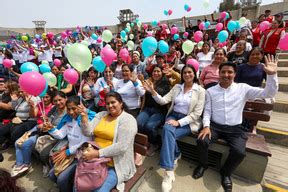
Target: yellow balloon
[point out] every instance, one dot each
(107, 36)
(44, 36)
(242, 20)
(24, 38)
(79, 56)
(187, 46)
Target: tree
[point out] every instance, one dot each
(228, 5)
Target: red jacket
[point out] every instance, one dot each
(256, 36)
(270, 43)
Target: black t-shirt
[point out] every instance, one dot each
(238, 59)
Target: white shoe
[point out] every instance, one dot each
(18, 170)
(176, 160)
(168, 179)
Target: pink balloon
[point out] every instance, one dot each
(63, 35)
(223, 15)
(186, 34)
(7, 63)
(99, 40)
(124, 54)
(198, 36)
(174, 30)
(170, 12)
(164, 26)
(149, 34)
(264, 25)
(223, 44)
(145, 26)
(107, 54)
(71, 76)
(32, 83)
(189, 9)
(202, 26)
(57, 62)
(194, 63)
(219, 26)
(159, 24)
(283, 43)
(50, 35)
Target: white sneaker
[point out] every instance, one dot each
(168, 179)
(176, 160)
(20, 169)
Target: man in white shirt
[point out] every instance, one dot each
(223, 116)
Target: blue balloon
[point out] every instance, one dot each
(37, 36)
(166, 12)
(98, 64)
(186, 7)
(207, 24)
(149, 46)
(123, 34)
(28, 66)
(176, 36)
(223, 36)
(44, 91)
(94, 36)
(163, 47)
(75, 34)
(238, 26)
(154, 23)
(137, 20)
(231, 26)
(44, 68)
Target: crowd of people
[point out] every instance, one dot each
(137, 94)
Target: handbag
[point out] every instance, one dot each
(23, 138)
(44, 142)
(90, 174)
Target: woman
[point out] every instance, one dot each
(118, 68)
(69, 127)
(23, 152)
(252, 72)
(131, 90)
(24, 120)
(86, 88)
(114, 131)
(103, 86)
(270, 39)
(256, 33)
(210, 74)
(62, 84)
(153, 115)
(187, 103)
(204, 57)
(239, 56)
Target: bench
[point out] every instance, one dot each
(257, 153)
(141, 147)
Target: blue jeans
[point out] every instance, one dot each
(65, 179)
(148, 120)
(169, 149)
(23, 153)
(110, 182)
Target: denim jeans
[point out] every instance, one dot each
(110, 182)
(65, 179)
(169, 149)
(148, 120)
(23, 153)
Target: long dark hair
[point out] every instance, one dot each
(195, 80)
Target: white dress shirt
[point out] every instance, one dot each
(225, 106)
(182, 101)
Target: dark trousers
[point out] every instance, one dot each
(236, 138)
(12, 132)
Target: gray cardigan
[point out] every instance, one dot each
(122, 149)
(195, 108)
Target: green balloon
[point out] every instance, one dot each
(187, 46)
(131, 36)
(200, 44)
(79, 56)
(84, 42)
(50, 78)
(130, 45)
(107, 36)
(242, 20)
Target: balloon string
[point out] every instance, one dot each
(39, 105)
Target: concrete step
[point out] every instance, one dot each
(283, 84)
(283, 62)
(276, 172)
(281, 103)
(282, 71)
(283, 55)
(276, 130)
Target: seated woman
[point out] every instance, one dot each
(69, 127)
(24, 120)
(131, 90)
(6, 111)
(86, 87)
(62, 84)
(114, 131)
(252, 72)
(239, 56)
(210, 74)
(103, 86)
(23, 152)
(205, 56)
(152, 114)
(187, 102)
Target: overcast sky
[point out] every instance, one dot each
(70, 13)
